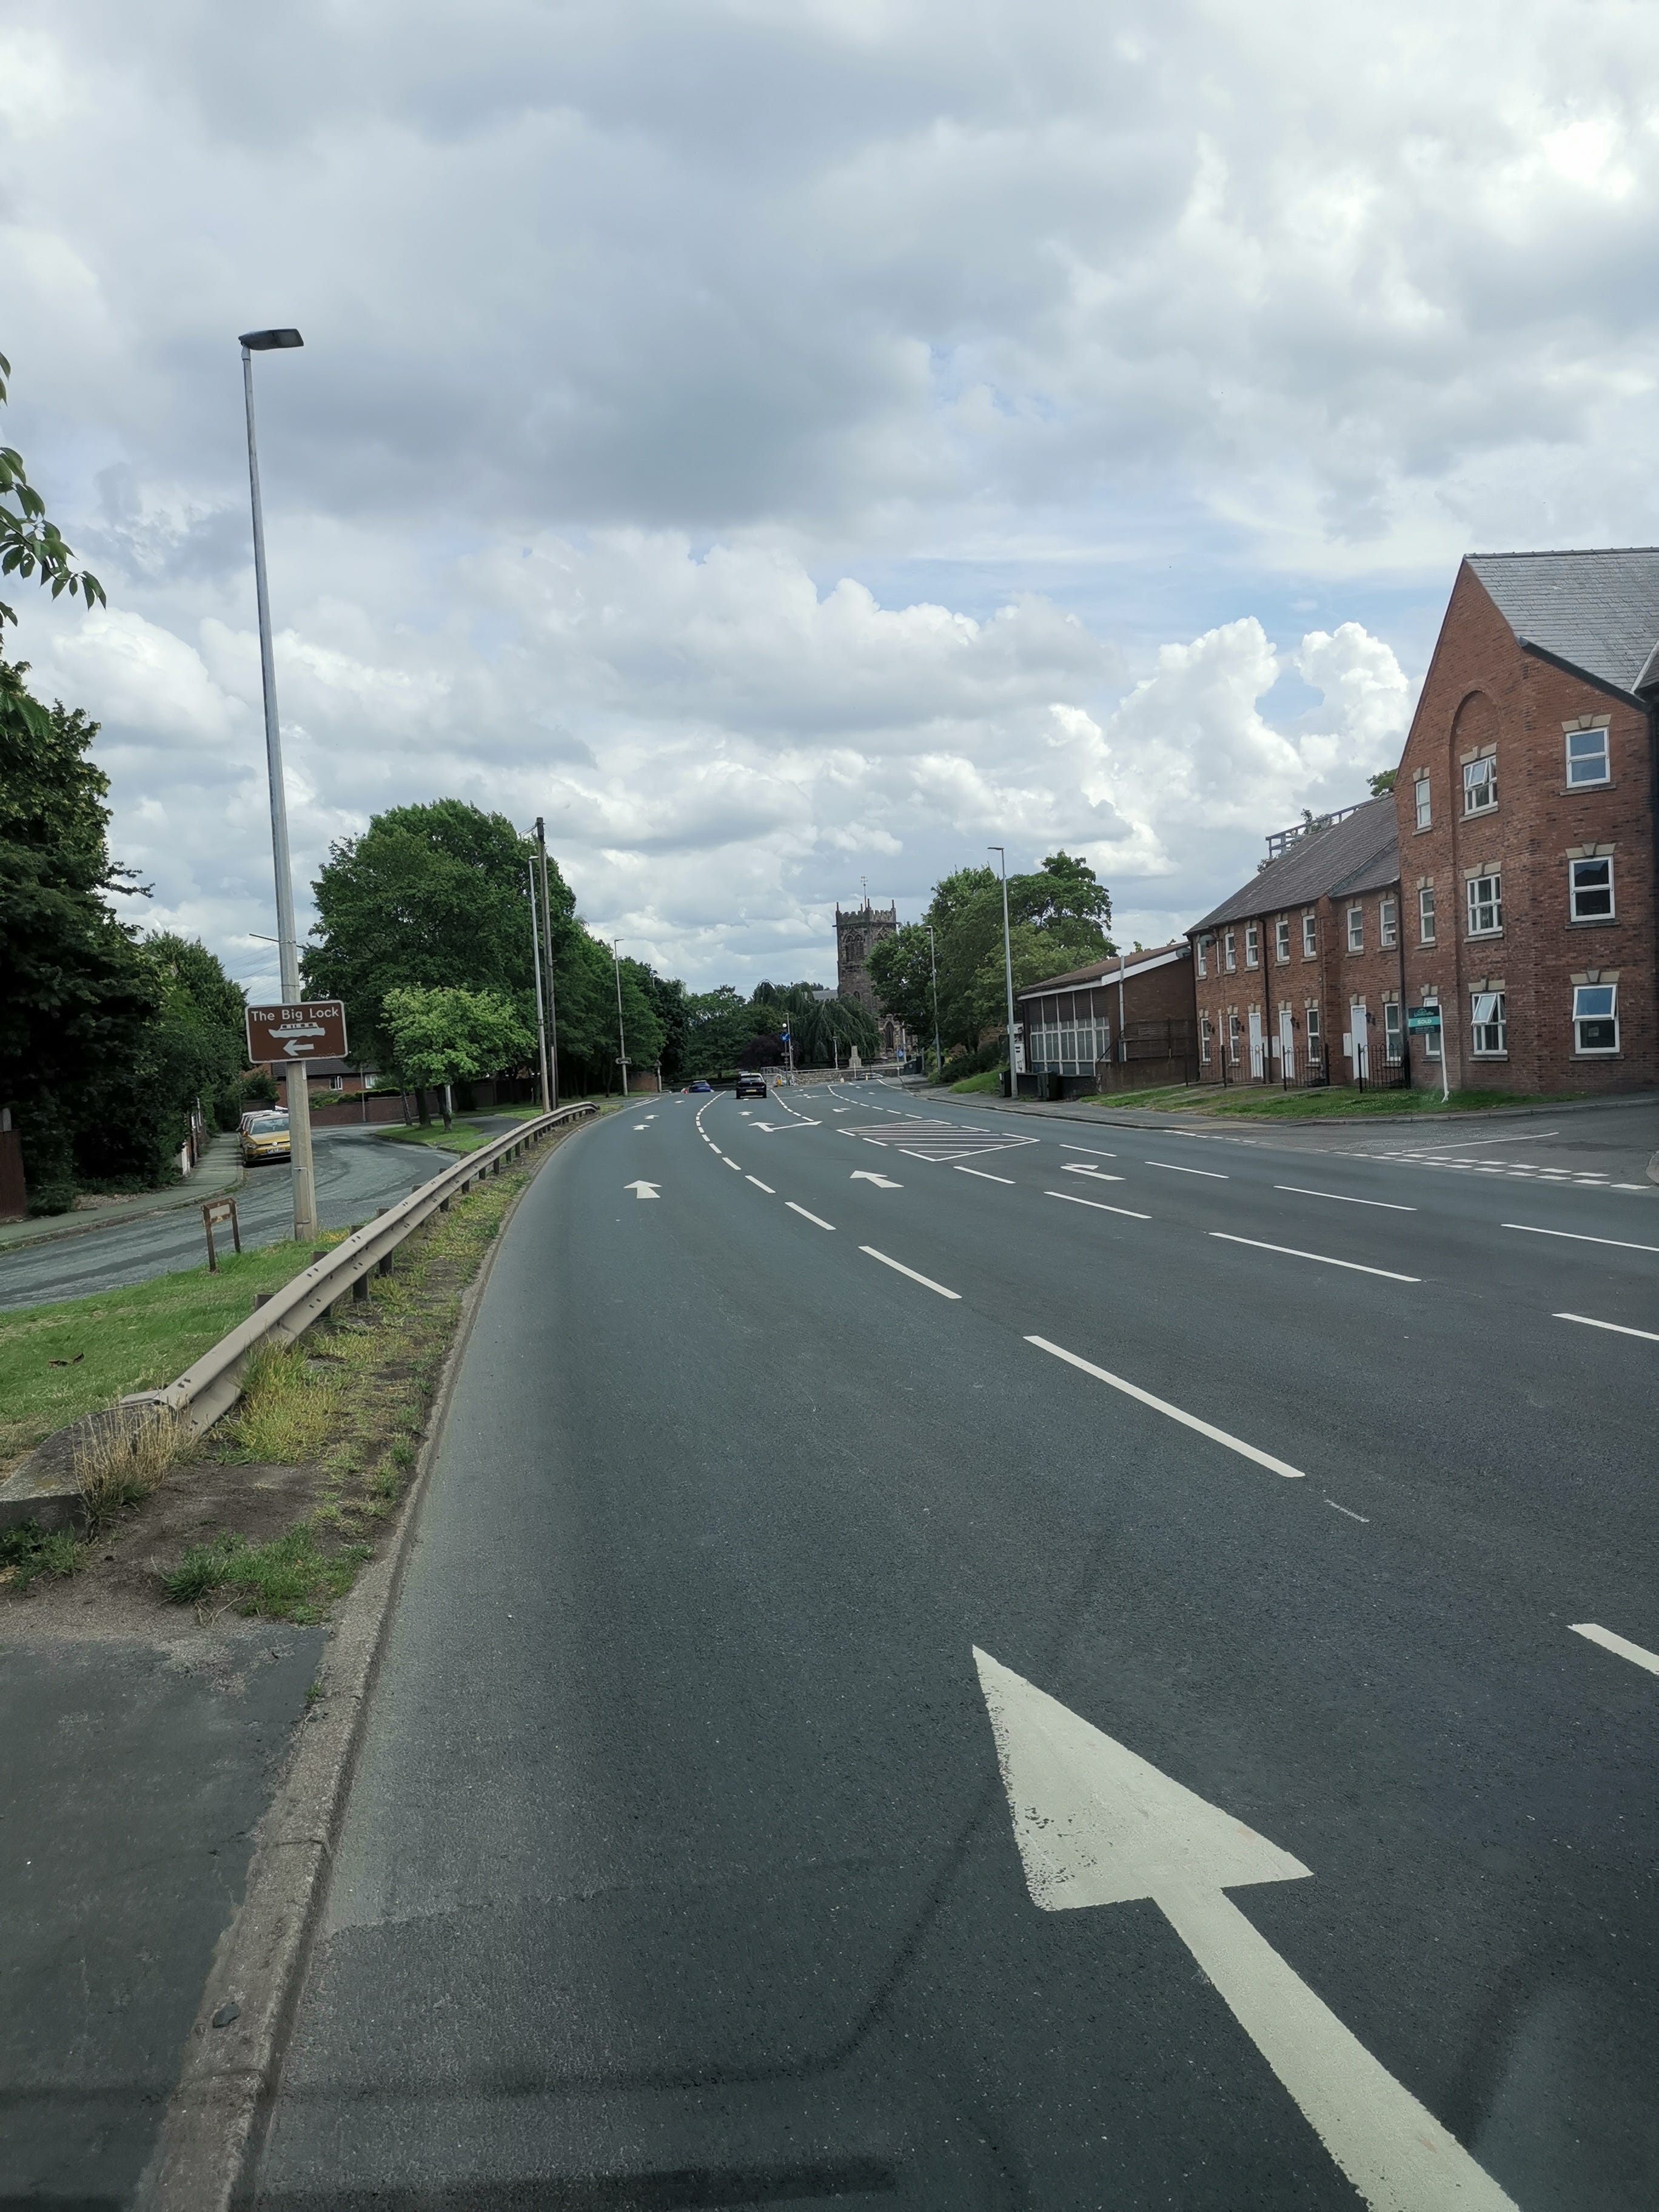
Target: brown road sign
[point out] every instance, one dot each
(315, 1029)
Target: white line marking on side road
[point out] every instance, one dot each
(1323, 1258)
(759, 1185)
(1335, 1508)
(1098, 1203)
(1577, 1237)
(1162, 1406)
(1620, 1645)
(1617, 1327)
(1463, 1143)
(899, 1269)
(1214, 1173)
(806, 1216)
(983, 1176)
(1301, 1190)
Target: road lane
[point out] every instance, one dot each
(678, 1855)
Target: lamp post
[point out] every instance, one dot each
(622, 1037)
(1008, 965)
(536, 956)
(288, 950)
(933, 963)
(552, 1002)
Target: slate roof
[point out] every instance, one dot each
(1361, 853)
(1597, 610)
(1105, 971)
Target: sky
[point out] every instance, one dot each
(792, 448)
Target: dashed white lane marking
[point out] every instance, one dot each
(984, 1174)
(1162, 1406)
(806, 1216)
(1617, 1328)
(1352, 1515)
(1301, 1190)
(1094, 1150)
(1577, 1237)
(1621, 1644)
(899, 1269)
(759, 1185)
(1098, 1203)
(733, 1164)
(1324, 1259)
(1214, 1173)
(639, 1125)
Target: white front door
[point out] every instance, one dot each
(1362, 1060)
(1286, 1046)
(1256, 1044)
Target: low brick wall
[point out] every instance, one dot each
(357, 1114)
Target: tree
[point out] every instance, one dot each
(901, 969)
(719, 1023)
(450, 1035)
(30, 546)
(1383, 781)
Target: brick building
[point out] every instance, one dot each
(1525, 801)
(1299, 976)
(857, 931)
(1120, 1023)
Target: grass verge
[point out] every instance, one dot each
(1337, 1103)
(990, 1080)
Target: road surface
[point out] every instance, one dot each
(955, 1662)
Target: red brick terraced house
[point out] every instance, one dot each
(1526, 800)
(1299, 976)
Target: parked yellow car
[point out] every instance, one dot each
(264, 1137)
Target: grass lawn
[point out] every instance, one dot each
(466, 1135)
(57, 1362)
(990, 1080)
(1338, 1103)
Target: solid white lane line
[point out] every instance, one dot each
(1094, 1150)
(1335, 1508)
(1098, 1203)
(984, 1176)
(1324, 1259)
(1214, 1173)
(1618, 1327)
(899, 1269)
(1302, 1191)
(806, 1216)
(1174, 1413)
(759, 1185)
(1622, 1645)
(1577, 1237)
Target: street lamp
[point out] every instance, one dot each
(1008, 966)
(288, 950)
(933, 963)
(622, 1037)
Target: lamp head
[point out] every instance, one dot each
(269, 341)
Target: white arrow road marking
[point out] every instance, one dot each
(643, 1189)
(1097, 1826)
(1617, 1327)
(1609, 1642)
(639, 1125)
(899, 1269)
(881, 1182)
(1290, 1252)
(1162, 1405)
(1100, 1174)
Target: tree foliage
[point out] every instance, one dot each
(30, 544)
(447, 1036)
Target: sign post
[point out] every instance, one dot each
(221, 1211)
(1425, 1020)
(288, 1036)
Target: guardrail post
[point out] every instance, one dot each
(360, 1288)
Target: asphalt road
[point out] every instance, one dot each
(684, 1865)
(358, 1171)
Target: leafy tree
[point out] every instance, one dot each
(902, 969)
(719, 1025)
(1383, 781)
(30, 546)
(449, 1035)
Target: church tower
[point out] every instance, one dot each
(856, 931)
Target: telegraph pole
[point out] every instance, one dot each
(552, 1003)
(536, 955)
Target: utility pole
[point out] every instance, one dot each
(536, 955)
(933, 963)
(622, 1038)
(288, 951)
(552, 1003)
(1008, 966)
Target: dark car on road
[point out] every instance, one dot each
(752, 1086)
(699, 1085)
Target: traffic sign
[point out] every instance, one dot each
(315, 1029)
(1419, 1019)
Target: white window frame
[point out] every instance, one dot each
(1575, 891)
(1425, 805)
(1356, 929)
(1203, 1040)
(1489, 1037)
(1481, 784)
(1310, 934)
(1252, 945)
(1230, 951)
(1235, 1037)
(1394, 1032)
(1581, 1022)
(1282, 939)
(1600, 760)
(1425, 914)
(1201, 947)
(1488, 902)
(1387, 922)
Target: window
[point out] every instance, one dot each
(1595, 1018)
(1587, 757)
(1479, 785)
(1356, 929)
(1204, 945)
(1590, 891)
(1387, 921)
(1425, 914)
(1420, 787)
(1310, 934)
(1203, 1039)
(1230, 951)
(1282, 938)
(1486, 906)
(1393, 1032)
(1311, 1028)
(1232, 1038)
(1490, 1033)
(1252, 945)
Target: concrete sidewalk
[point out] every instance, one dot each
(218, 1171)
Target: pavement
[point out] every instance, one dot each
(357, 1170)
(955, 1659)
